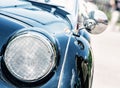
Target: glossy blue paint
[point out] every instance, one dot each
(7, 28)
(52, 26)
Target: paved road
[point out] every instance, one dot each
(106, 49)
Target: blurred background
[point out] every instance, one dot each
(105, 6)
(106, 49)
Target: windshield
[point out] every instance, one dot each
(67, 5)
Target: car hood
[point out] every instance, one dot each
(37, 15)
(14, 19)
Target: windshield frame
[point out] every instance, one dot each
(72, 14)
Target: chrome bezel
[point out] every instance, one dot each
(40, 37)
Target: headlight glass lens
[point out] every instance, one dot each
(29, 57)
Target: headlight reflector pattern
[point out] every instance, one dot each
(29, 57)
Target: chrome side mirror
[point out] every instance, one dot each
(97, 22)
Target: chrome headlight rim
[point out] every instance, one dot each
(38, 36)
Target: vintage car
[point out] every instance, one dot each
(46, 43)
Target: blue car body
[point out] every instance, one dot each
(74, 62)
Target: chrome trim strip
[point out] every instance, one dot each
(64, 61)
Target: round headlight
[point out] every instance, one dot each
(29, 57)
